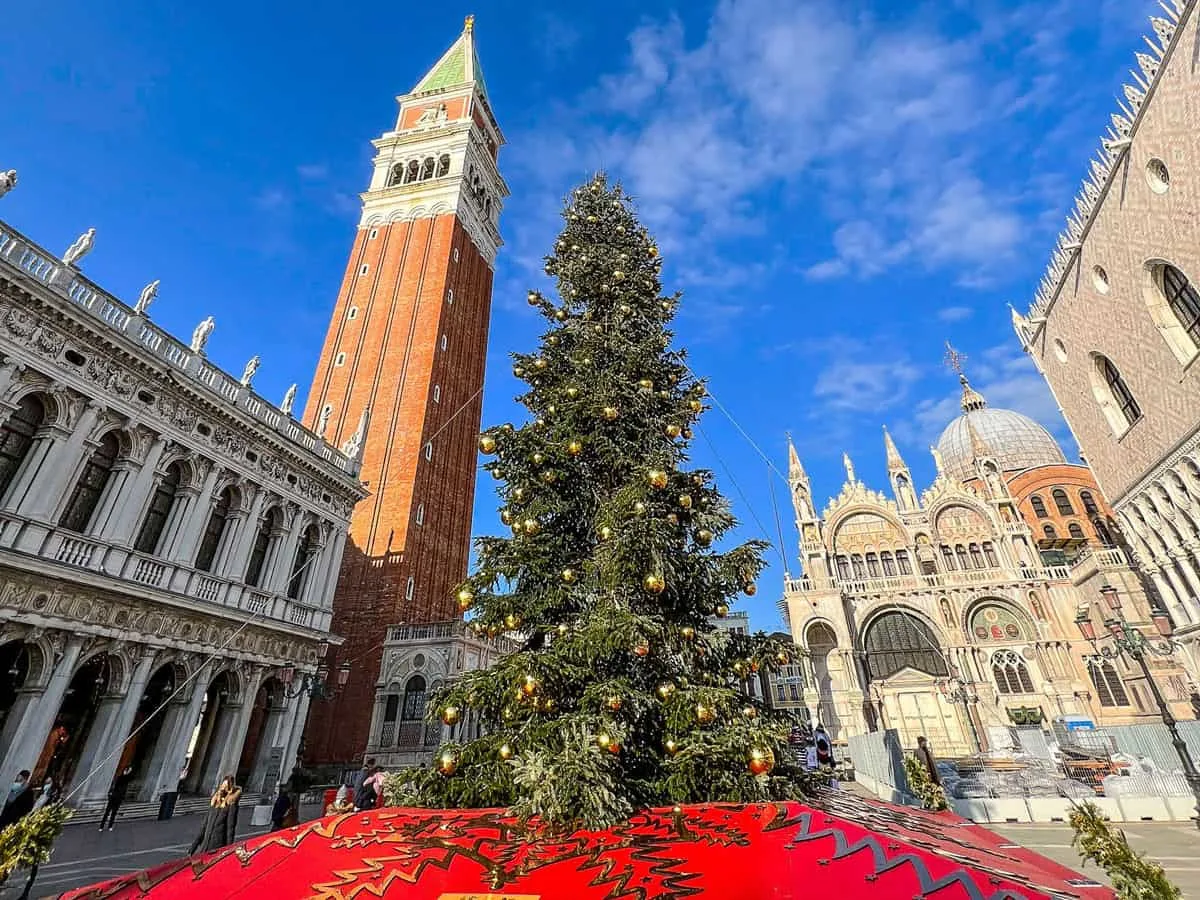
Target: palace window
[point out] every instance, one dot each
(1062, 502)
(443, 164)
(889, 563)
(1011, 673)
(215, 529)
(1103, 533)
(843, 567)
(873, 565)
(420, 517)
(352, 313)
(412, 172)
(1113, 394)
(409, 588)
(397, 175)
(340, 359)
(16, 437)
(948, 558)
(902, 562)
(1076, 532)
(977, 557)
(437, 393)
(414, 700)
(1110, 690)
(427, 168)
(429, 450)
(1049, 533)
(1184, 303)
(85, 496)
(270, 523)
(162, 501)
(1089, 503)
(898, 640)
(860, 570)
(1039, 508)
(305, 559)
(989, 553)
(961, 553)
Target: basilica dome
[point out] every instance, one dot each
(1014, 441)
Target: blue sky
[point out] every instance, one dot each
(838, 188)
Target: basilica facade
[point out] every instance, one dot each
(169, 545)
(952, 612)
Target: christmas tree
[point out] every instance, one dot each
(622, 694)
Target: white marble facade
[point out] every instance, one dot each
(169, 544)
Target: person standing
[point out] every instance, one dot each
(49, 794)
(116, 796)
(364, 773)
(367, 795)
(20, 800)
(925, 755)
(824, 745)
(283, 806)
(220, 823)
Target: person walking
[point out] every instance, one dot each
(116, 796)
(283, 806)
(367, 795)
(824, 745)
(220, 823)
(925, 755)
(20, 800)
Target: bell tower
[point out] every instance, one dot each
(407, 344)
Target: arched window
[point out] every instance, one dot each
(997, 622)
(1049, 533)
(960, 553)
(391, 709)
(948, 558)
(85, 496)
(860, 570)
(1076, 532)
(873, 565)
(1039, 508)
(977, 557)
(262, 543)
(412, 171)
(898, 640)
(1103, 533)
(989, 553)
(215, 529)
(1113, 395)
(397, 175)
(16, 437)
(302, 565)
(443, 164)
(1089, 503)
(414, 700)
(162, 501)
(902, 562)
(1110, 690)
(888, 562)
(1011, 673)
(1062, 502)
(427, 168)
(843, 567)
(1184, 305)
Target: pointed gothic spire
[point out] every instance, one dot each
(895, 462)
(795, 468)
(979, 447)
(937, 459)
(459, 66)
(849, 468)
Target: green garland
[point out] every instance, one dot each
(932, 796)
(27, 842)
(1133, 876)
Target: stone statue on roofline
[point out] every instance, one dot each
(251, 368)
(148, 295)
(8, 181)
(201, 334)
(289, 400)
(78, 250)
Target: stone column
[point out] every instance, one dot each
(103, 767)
(331, 566)
(30, 731)
(238, 555)
(1186, 597)
(163, 773)
(232, 752)
(45, 464)
(123, 516)
(181, 546)
(284, 554)
(295, 732)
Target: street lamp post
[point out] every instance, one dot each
(1130, 641)
(316, 685)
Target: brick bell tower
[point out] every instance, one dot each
(402, 371)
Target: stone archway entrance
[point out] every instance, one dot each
(262, 751)
(73, 736)
(141, 747)
(212, 732)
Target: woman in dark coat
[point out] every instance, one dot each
(220, 824)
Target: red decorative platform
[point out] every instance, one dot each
(839, 848)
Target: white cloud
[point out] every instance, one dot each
(312, 171)
(955, 313)
(861, 376)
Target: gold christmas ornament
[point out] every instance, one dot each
(687, 632)
(671, 747)
(551, 409)
(657, 478)
(572, 392)
(539, 363)
(451, 715)
(562, 628)
(605, 533)
(552, 340)
(685, 500)
(532, 526)
(672, 518)
(560, 314)
(751, 589)
(620, 229)
(519, 371)
(698, 480)
(487, 444)
(497, 474)
(506, 752)
(672, 431)
(532, 298)
(575, 447)
(511, 621)
(506, 517)
(646, 384)
(519, 494)
(722, 610)
(529, 686)
(705, 714)
(610, 412)
(642, 649)
(465, 599)
(687, 434)
(695, 406)
(539, 422)
(762, 761)
(549, 476)
(598, 329)
(619, 275)
(626, 308)
(704, 537)
(614, 703)
(749, 712)
(568, 575)
(653, 251)
(448, 762)
(664, 690)
(639, 508)
(538, 459)
(782, 658)
(654, 584)
(603, 739)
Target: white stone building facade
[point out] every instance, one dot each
(169, 543)
(1115, 326)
